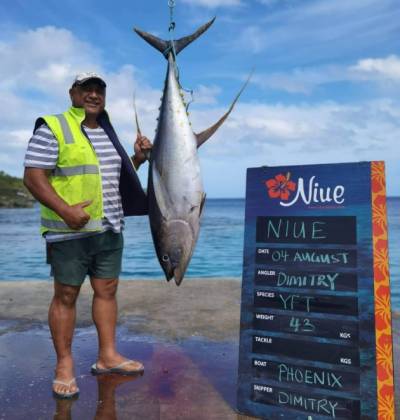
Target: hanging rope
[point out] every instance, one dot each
(171, 5)
(171, 29)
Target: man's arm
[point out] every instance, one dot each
(40, 159)
(36, 180)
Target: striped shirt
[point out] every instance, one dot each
(42, 153)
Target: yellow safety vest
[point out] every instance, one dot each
(77, 176)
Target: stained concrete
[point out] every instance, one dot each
(186, 336)
(203, 307)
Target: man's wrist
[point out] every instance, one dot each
(62, 210)
(136, 162)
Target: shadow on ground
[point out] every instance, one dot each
(191, 379)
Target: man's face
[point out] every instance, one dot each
(90, 95)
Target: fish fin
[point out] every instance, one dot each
(147, 153)
(136, 116)
(206, 134)
(179, 44)
(203, 200)
(162, 197)
(158, 43)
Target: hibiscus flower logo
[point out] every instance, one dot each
(280, 186)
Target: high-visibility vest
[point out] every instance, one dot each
(77, 176)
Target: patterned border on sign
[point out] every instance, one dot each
(383, 327)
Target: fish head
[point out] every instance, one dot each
(175, 247)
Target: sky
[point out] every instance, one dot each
(325, 87)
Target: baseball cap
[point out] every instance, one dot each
(85, 76)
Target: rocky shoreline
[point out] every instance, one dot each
(13, 193)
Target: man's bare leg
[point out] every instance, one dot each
(104, 312)
(62, 315)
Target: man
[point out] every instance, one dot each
(79, 172)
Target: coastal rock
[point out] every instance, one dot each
(13, 193)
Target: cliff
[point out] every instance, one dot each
(13, 192)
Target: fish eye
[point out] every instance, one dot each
(165, 258)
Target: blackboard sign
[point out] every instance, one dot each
(315, 339)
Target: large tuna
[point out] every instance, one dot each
(175, 188)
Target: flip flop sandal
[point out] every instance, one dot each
(65, 395)
(118, 369)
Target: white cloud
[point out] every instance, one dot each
(384, 70)
(306, 133)
(379, 68)
(275, 2)
(34, 80)
(253, 39)
(300, 80)
(259, 134)
(317, 31)
(29, 62)
(54, 73)
(255, 134)
(206, 94)
(213, 3)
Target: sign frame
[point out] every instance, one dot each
(290, 215)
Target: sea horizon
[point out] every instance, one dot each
(218, 253)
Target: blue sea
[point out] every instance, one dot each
(219, 251)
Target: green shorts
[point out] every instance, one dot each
(98, 256)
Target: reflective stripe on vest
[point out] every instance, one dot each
(67, 133)
(59, 224)
(76, 170)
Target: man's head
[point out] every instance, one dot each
(88, 91)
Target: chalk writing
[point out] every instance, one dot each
(322, 258)
(302, 257)
(305, 375)
(303, 325)
(310, 325)
(308, 280)
(322, 406)
(283, 229)
(307, 229)
(315, 257)
(299, 375)
(318, 280)
(290, 301)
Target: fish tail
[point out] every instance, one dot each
(178, 45)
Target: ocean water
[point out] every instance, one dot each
(218, 253)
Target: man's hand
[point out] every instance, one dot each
(36, 180)
(142, 147)
(75, 217)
